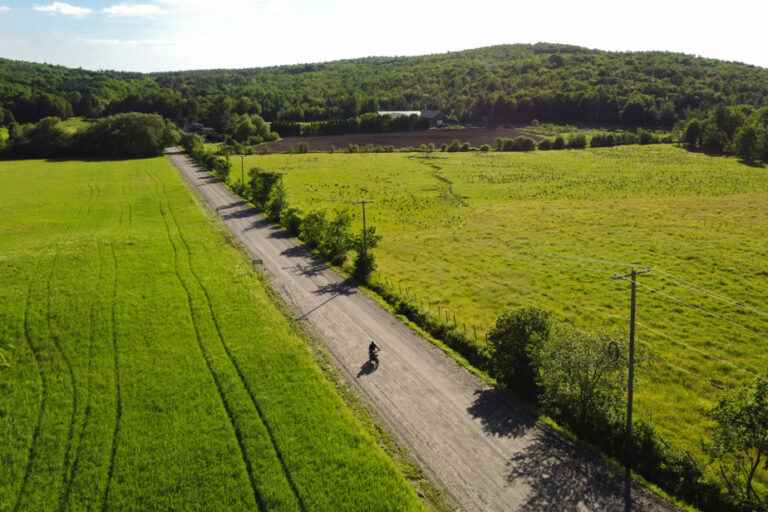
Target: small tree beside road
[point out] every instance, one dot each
(739, 444)
(514, 342)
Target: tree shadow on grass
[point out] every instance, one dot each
(501, 415)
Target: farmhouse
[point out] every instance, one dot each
(399, 113)
(435, 117)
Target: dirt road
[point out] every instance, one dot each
(487, 453)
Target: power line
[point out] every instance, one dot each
(698, 308)
(722, 298)
(697, 350)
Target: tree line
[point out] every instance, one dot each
(509, 84)
(132, 135)
(730, 131)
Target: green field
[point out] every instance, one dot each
(475, 234)
(149, 368)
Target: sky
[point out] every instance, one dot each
(160, 35)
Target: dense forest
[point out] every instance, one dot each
(496, 85)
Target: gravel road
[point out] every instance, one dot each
(487, 452)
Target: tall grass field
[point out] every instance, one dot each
(147, 367)
(471, 235)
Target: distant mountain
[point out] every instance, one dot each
(494, 85)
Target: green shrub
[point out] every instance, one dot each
(578, 141)
(290, 219)
(313, 227)
(260, 184)
(516, 144)
(514, 343)
(276, 201)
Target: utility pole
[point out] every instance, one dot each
(362, 203)
(630, 384)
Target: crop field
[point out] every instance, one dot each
(148, 368)
(473, 234)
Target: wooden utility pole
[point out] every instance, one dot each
(362, 203)
(630, 384)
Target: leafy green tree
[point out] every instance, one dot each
(260, 184)
(365, 261)
(277, 201)
(748, 144)
(337, 240)
(514, 343)
(219, 115)
(582, 376)
(692, 134)
(739, 444)
(131, 135)
(313, 228)
(578, 141)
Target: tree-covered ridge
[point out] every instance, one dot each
(510, 83)
(494, 85)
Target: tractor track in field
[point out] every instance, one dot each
(487, 452)
(118, 389)
(234, 423)
(233, 361)
(89, 383)
(32, 453)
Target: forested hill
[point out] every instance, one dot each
(500, 84)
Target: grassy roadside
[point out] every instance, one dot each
(434, 498)
(150, 367)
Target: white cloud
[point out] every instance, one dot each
(4, 8)
(64, 8)
(130, 43)
(129, 10)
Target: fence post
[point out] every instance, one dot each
(474, 327)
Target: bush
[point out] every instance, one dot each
(290, 219)
(578, 141)
(454, 146)
(260, 184)
(545, 145)
(365, 264)
(485, 148)
(337, 240)
(516, 144)
(581, 376)
(276, 201)
(313, 227)
(559, 143)
(514, 343)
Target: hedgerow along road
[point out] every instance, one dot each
(485, 451)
